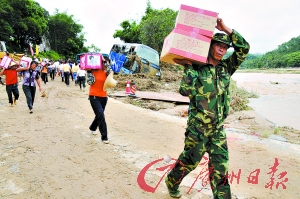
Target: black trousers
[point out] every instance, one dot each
(52, 74)
(98, 104)
(71, 74)
(81, 80)
(45, 77)
(1, 81)
(12, 90)
(67, 78)
(29, 92)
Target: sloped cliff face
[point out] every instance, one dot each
(45, 45)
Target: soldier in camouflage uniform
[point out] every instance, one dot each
(207, 86)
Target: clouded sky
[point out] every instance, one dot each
(265, 24)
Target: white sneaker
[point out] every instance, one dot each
(105, 141)
(94, 132)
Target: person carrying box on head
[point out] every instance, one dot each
(31, 79)
(11, 82)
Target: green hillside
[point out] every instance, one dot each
(287, 55)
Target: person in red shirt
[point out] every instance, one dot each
(98, 100)
(11, 82)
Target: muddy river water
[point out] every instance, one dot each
(279, 96)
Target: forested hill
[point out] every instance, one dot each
(286, 55)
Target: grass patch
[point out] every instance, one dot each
(276, 131)
(240, 97)
(148, 104)
(285, 130)
(271, 70)
(266, 134)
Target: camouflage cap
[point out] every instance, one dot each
(223, 38)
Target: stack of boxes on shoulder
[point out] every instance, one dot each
(25, 62)
(5, 62)
(191, 37)
(91, 61)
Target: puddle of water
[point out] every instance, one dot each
(276, 143)
(282, 111)
(278, 103)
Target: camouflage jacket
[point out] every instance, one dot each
(208, 87)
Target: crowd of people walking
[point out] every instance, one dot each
(66, 69)
(30, 77)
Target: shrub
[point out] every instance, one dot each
(50, 54)
(239, 97)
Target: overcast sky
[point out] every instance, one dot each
(265, 24)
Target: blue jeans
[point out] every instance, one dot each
(12, 90)
(98, 104)
(29, 92)
(74, 76)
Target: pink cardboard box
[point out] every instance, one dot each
(25, 62)
(5, 62)
(43, 63)
(182, 44)
(196, 20)
(91, 61)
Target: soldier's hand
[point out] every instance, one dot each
(222, 27)
(182, 62)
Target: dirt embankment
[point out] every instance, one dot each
(248, 119)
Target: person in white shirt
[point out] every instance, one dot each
(56, 67)
(81, 76)
(51, 69)
(61, 71)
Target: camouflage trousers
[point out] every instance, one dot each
(196, 144)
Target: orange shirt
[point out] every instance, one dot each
(45, 69)
(96, 89)
(11, 77)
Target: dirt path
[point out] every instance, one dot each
(52, 154)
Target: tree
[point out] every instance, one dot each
(157, 25)
(130, 32)
(25, 22)
(65, 35)
(131, 29)
(148, 11)
(94, 49)
(5, 19)
(292, 59)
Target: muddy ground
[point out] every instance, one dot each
(52, 154)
